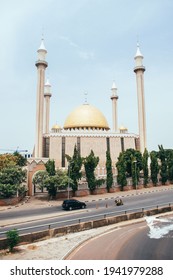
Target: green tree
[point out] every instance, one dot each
(109, 174)
(74, 168)
(135, 172)
(50, 167)
(129, 164)
(63, 179)
(163, 169)
(56, 182)
(51, 183)
(12, 239)
(121, 171)
(129, 156)
(14, 159)
(145, 167)
(154, 167)
(170, 165)
(38, 179)
(19, 159)
(11, 179)
(90, 163)
(7, 160)
(7, 190)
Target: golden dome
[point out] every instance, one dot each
(123, 129)
(86, 116)
(56, 128)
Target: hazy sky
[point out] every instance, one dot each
(90, 43)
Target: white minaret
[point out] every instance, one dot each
(114, 98)
(41, 65)
(139, 70)
(47, 96)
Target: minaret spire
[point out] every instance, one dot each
(139, 70)
(47, 96)
(41, 65)
(114, 98)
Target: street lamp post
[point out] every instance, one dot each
(68, 190)
(135, 162)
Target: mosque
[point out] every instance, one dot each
(86, 126)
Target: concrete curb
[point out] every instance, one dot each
(131, 194)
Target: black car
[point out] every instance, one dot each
(70, 204)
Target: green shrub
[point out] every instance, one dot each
(12, 239)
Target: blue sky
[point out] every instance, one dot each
(90, 43)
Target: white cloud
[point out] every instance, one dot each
(86, 55)
(81, 53)
(71, 43)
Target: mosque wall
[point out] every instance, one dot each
(115, 148)
(129, 143)
(70, 143)
(59, 146)
(97, 144)
(55, 151)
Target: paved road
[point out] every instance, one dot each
(60, 247)
(42, 218)
(46, 213)
(133, 242)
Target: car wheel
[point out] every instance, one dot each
(70, 208)
(83, 206)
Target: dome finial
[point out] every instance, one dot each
(42, 35)
(138, 52)
(42, 46)
(114, 85)
(86, 95)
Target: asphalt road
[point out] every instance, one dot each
(102, 206)
(56, 215)
(131, 242)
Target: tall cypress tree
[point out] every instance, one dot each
(121, 169)
(90, 164)
(50, 167)
(109, 174)
(170, 165)
(145, 166)
(163, 169)
(75, 164)
(154, 167)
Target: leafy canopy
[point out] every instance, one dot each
(11, 179)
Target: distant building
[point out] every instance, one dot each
(24, 153)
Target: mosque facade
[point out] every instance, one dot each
(86, 126)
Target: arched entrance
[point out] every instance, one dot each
(34, 166)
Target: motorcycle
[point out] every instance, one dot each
(118, 202)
